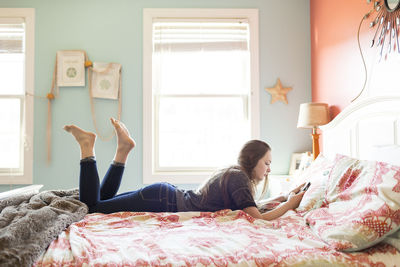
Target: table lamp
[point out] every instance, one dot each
(312, 115)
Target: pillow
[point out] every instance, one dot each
(393, 239)
(362, 204)
(389, 154)
(317, 173)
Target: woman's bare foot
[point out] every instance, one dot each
(125, 142)
(85, 140)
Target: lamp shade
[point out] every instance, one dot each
(312, 115)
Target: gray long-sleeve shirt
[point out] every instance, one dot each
(238, 189)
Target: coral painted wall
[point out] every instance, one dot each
(337, 72)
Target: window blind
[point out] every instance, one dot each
(180, 36)
(12, 32)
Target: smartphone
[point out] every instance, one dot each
(305, 188)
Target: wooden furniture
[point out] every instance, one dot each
(312, 115)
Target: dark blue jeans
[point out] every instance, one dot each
(158, 197)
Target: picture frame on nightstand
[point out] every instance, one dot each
(306, 160)
(299, 162)
(295, 163)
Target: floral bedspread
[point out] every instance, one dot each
(224, 238)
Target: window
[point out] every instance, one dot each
(200, 90)
(16, 108)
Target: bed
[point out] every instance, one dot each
(350, 216)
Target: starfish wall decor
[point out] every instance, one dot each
(278, 92)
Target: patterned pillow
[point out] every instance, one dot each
(393, 239)
(317, 173)
(391, 155)
(362, 204)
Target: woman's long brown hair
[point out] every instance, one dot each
(248, 158)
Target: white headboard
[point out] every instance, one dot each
(362, 125)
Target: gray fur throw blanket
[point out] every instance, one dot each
(29, 223)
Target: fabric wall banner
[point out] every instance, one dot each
(105, 80)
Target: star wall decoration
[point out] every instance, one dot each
(278, 92)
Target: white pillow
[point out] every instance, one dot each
(361, 206)
(386, 153)
(391, 155)
(394, 240)
(317, 173)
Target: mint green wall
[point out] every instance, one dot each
(111, 31)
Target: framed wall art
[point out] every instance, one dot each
(70, 68)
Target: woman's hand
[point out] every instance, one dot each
(294, 191)
(292, 203)
(281, 198)
(294, 199)
(297, 189)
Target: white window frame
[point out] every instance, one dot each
(185, 177)
(25, 174)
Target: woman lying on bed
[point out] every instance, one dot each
(232, 188)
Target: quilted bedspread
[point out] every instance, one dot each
(224, 238)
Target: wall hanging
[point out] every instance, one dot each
(104, 82)
(278, 92)
(69, 70)
(387, 22)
